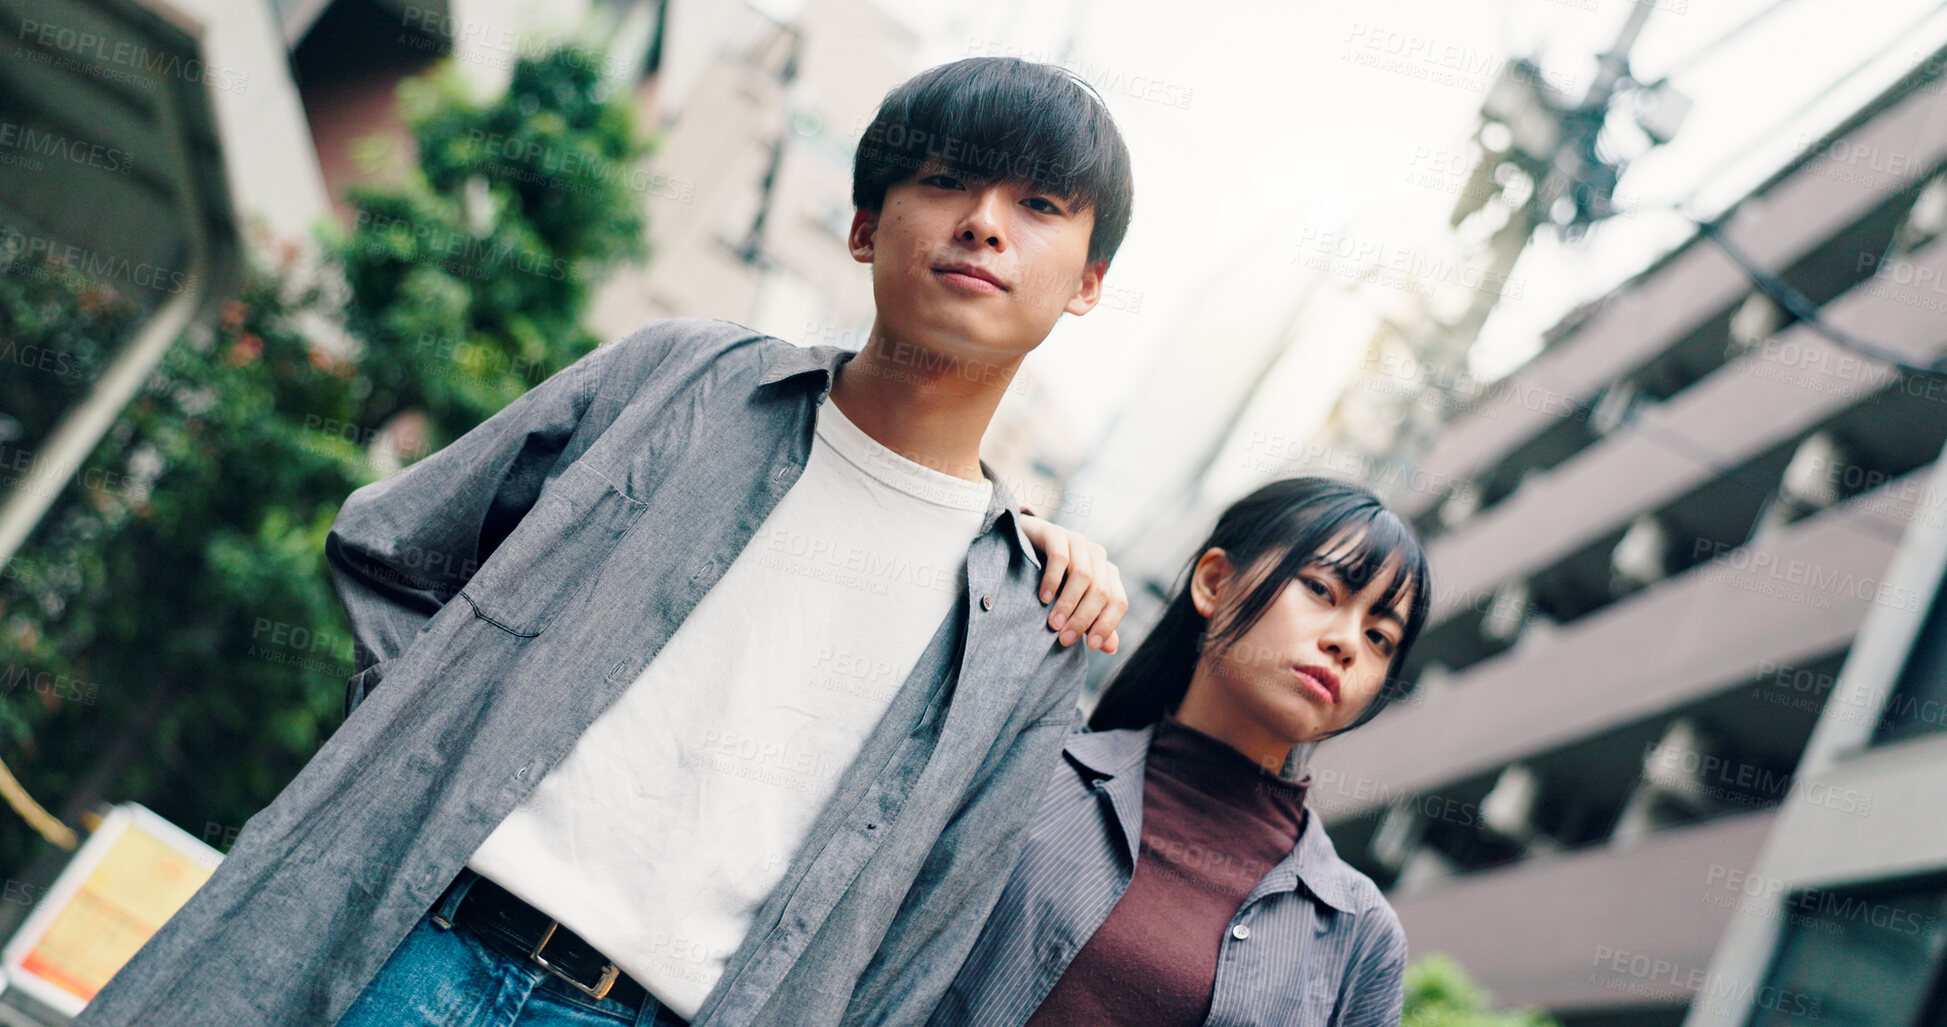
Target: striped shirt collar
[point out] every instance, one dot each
(1116, 759)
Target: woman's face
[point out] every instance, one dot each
(1309, 666)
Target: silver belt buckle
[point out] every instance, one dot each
(600, 990)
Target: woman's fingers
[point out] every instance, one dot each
(1084, 587)
(1074, 589)
(1101, 609)
(1102, 633)
(1055, 561)
(1053, 542)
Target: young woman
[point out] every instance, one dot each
(1173, 875)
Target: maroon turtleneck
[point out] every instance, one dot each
(1213, 825)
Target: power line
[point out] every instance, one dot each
(1755, 143)
(1801, 307)
(1806, 310)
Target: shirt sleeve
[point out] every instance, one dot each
(1378, 979)
(960, 881)
(402, 547)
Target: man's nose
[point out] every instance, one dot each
(985, 221)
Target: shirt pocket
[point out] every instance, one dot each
(553, 555)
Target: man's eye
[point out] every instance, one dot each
(943, 181)
(1045, 205)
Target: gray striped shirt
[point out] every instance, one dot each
(1315, 943)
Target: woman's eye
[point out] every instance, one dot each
(1379, 639)
(1317, 589)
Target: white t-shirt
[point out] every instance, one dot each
(666, 826)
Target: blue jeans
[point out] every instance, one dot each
(451, 977)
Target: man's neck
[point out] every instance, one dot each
(927, 406)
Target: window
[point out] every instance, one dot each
(1850, 956)
(1918, 704)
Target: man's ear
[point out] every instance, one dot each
(864, 225)
(1089, 292)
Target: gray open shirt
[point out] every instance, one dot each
(578, 527)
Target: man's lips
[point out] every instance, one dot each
(971, 278)
(1322, 677)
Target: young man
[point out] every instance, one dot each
(717, 677)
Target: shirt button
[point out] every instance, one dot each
(1240, 932)
(987, 602)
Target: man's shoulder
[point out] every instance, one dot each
(687, 340)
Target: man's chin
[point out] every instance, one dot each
(965, 343)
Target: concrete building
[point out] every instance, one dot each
(1844, 909)
(1655, 545)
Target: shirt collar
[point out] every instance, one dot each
(1106, 755)
(1319, 867)
(779, 360)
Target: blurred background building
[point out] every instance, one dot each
(1655, 544)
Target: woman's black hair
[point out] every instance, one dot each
(1294, 520)
(995, 119)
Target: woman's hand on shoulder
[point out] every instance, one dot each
(1078, 579)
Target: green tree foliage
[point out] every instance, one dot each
(1439, 993)
(468, 283)
(166, 634)
(169, 634)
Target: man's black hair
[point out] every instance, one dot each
(994, 119)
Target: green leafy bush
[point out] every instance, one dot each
(169, 634)
(1439, 993)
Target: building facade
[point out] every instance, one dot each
(1657, 546)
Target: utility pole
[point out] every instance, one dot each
(1550, 149)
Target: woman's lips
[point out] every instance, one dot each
(1315, 680)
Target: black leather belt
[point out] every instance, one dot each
(496, 914)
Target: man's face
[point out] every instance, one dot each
(977, 271)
